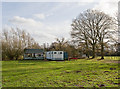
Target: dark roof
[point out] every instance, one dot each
(33, 51)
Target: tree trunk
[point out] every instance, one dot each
(93, 48)
(102, 51)
(16, 58)
(87, 52)
(88, 56)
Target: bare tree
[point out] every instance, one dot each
(105, 29)
(61, 43)
(91, 27)
(117, 41)
(14, 41)
(79, 33)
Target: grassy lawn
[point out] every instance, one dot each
(80, 73)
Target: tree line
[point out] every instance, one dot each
(93, 33)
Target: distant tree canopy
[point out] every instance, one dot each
(14, 41)
(94, 29)
(61, 44)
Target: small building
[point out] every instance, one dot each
(56, 55)
(33, 54)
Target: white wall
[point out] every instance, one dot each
(53, 56)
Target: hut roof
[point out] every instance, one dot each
(33, 51)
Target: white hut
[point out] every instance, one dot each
(56, 55)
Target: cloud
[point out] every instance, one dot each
(42, 32)
(40, 16)
(50, 14)
(5, 26)
(107, 6)
(25, 21)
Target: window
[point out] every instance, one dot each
(36, 55)
(55, 53)
(29, 55)
(60, 52)
(39, 55)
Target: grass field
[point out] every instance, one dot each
(80, 73)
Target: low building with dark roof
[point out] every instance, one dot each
(34, 54)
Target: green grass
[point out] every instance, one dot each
(80, 73)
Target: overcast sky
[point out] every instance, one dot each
(46, 21)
